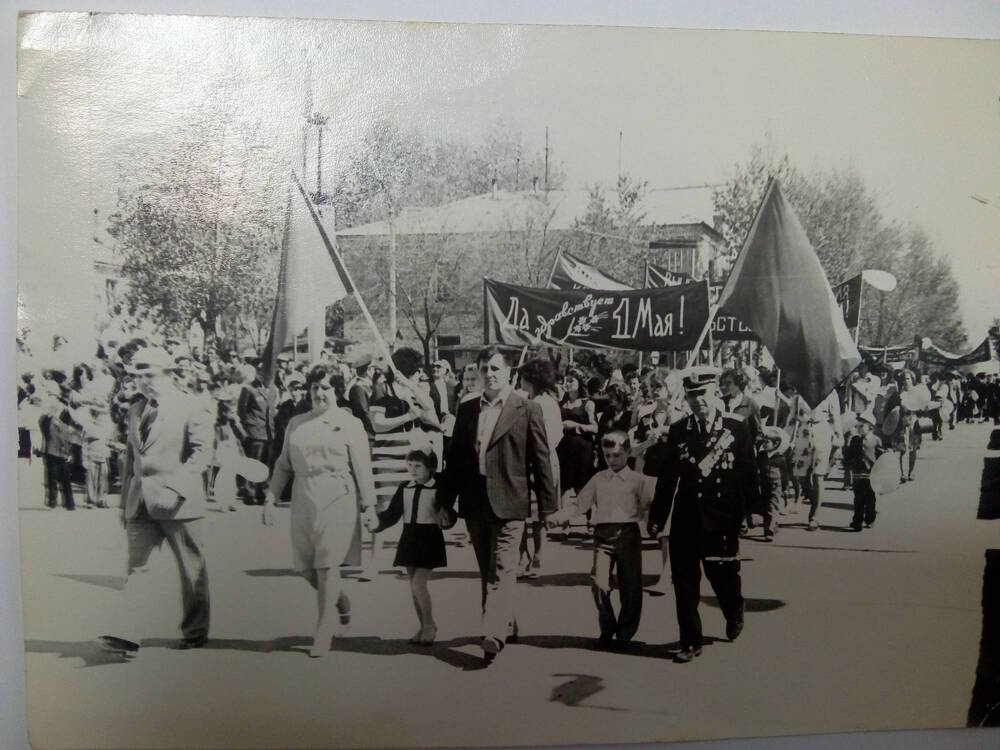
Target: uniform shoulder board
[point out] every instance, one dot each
(733, 415)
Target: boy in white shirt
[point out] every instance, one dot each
(620, 498)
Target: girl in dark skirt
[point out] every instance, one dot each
(421, 544)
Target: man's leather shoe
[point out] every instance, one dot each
(734, 628)
(687, 654)
(491, 647)
(189, 643)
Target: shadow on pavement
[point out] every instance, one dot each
(109, 582)
(273, 573)
(750, 605)
(443, 651)
(91, 652)
(838, 506)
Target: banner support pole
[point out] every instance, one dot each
(861, 296)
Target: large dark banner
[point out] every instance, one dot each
(933, 355)
(726, 327)
(667, 319)
(848, 295)
(885, 354)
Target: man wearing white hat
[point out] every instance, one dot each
(168, 446)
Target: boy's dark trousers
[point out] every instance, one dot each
(58, 482)
(864, 500)
(618, 545)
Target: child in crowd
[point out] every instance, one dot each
(620, 498)
(421, 545)
(226, 451)
(96, 449)
(774, 444)
(860, 455)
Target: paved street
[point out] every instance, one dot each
(844, 631)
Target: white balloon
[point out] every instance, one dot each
(881, 280)
(885, 473)
(251, 469)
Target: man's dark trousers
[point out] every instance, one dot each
(691, 548)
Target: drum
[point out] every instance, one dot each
(924, 426)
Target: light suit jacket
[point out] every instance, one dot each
(164, 470)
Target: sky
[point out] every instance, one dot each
(919, 119)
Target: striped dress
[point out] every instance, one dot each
(389, 449)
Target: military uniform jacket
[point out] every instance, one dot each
(707, 476)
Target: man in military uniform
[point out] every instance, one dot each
(709, 464)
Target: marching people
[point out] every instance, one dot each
(708, 479)
(770, 464)
(498, 442)
(57, 431)
(860, 454)
(96, 435)
(576, 449)
(620, 498)
(359, 391)
(227, 447)
(733, 385)
(538, 382)
(816, 435)
(167, 449)
(326, 453)
(421, 545)
(253, 409)
(616, 415)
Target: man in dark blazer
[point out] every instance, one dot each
(168, 446)
(498, 443)
(708, 477)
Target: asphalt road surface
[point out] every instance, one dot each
(844, 631)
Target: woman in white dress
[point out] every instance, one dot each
(326, 450)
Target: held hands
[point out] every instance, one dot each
(369, 518)
(555, 520)
(653, 529)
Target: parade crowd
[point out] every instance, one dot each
(398, 450)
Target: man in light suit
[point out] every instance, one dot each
(168, 446)
(498, 443)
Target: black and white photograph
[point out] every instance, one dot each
(438, 384)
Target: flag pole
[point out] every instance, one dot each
(339, 260)
(861, 296)
(552, 271)
(777, 396)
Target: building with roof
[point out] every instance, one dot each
(514, 236)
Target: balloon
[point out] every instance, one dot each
(917, 398)
(881, 280)
(251, 469)
(885, 473)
